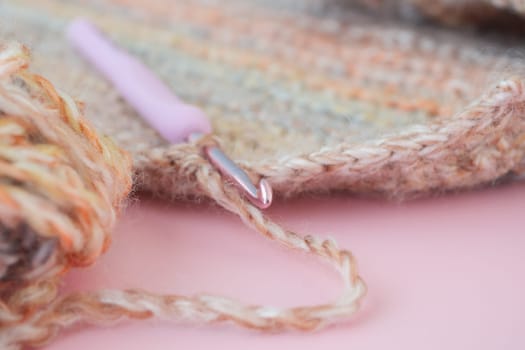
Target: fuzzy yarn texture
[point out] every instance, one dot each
(365, 96)
(312, 95)
(61, 188)
(60, 191)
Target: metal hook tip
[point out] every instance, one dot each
(264, 194)
(260, 195)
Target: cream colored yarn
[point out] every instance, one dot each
(61, 183)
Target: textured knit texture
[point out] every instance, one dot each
(311, 95)
(61, 186)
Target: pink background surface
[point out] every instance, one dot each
(443, 273)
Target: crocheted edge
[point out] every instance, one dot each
(478, 145)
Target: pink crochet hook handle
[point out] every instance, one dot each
(158, 105)
(150, 97)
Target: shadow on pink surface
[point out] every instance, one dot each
(442, 273)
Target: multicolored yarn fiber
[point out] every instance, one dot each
(312, 95)
(60, 190)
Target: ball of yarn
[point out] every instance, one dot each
(61, 187)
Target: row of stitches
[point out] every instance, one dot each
(354, 60)
(369, 66)
(286, 94)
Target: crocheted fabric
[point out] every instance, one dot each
(313, 95)
(61, 186)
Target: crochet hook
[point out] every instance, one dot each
(174, 120)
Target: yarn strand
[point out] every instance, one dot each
(81, 214)
(109, 306)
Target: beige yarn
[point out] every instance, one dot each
(69, 188)
(330, 100)
(61, 188)
(401, 118)
(483, 143)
